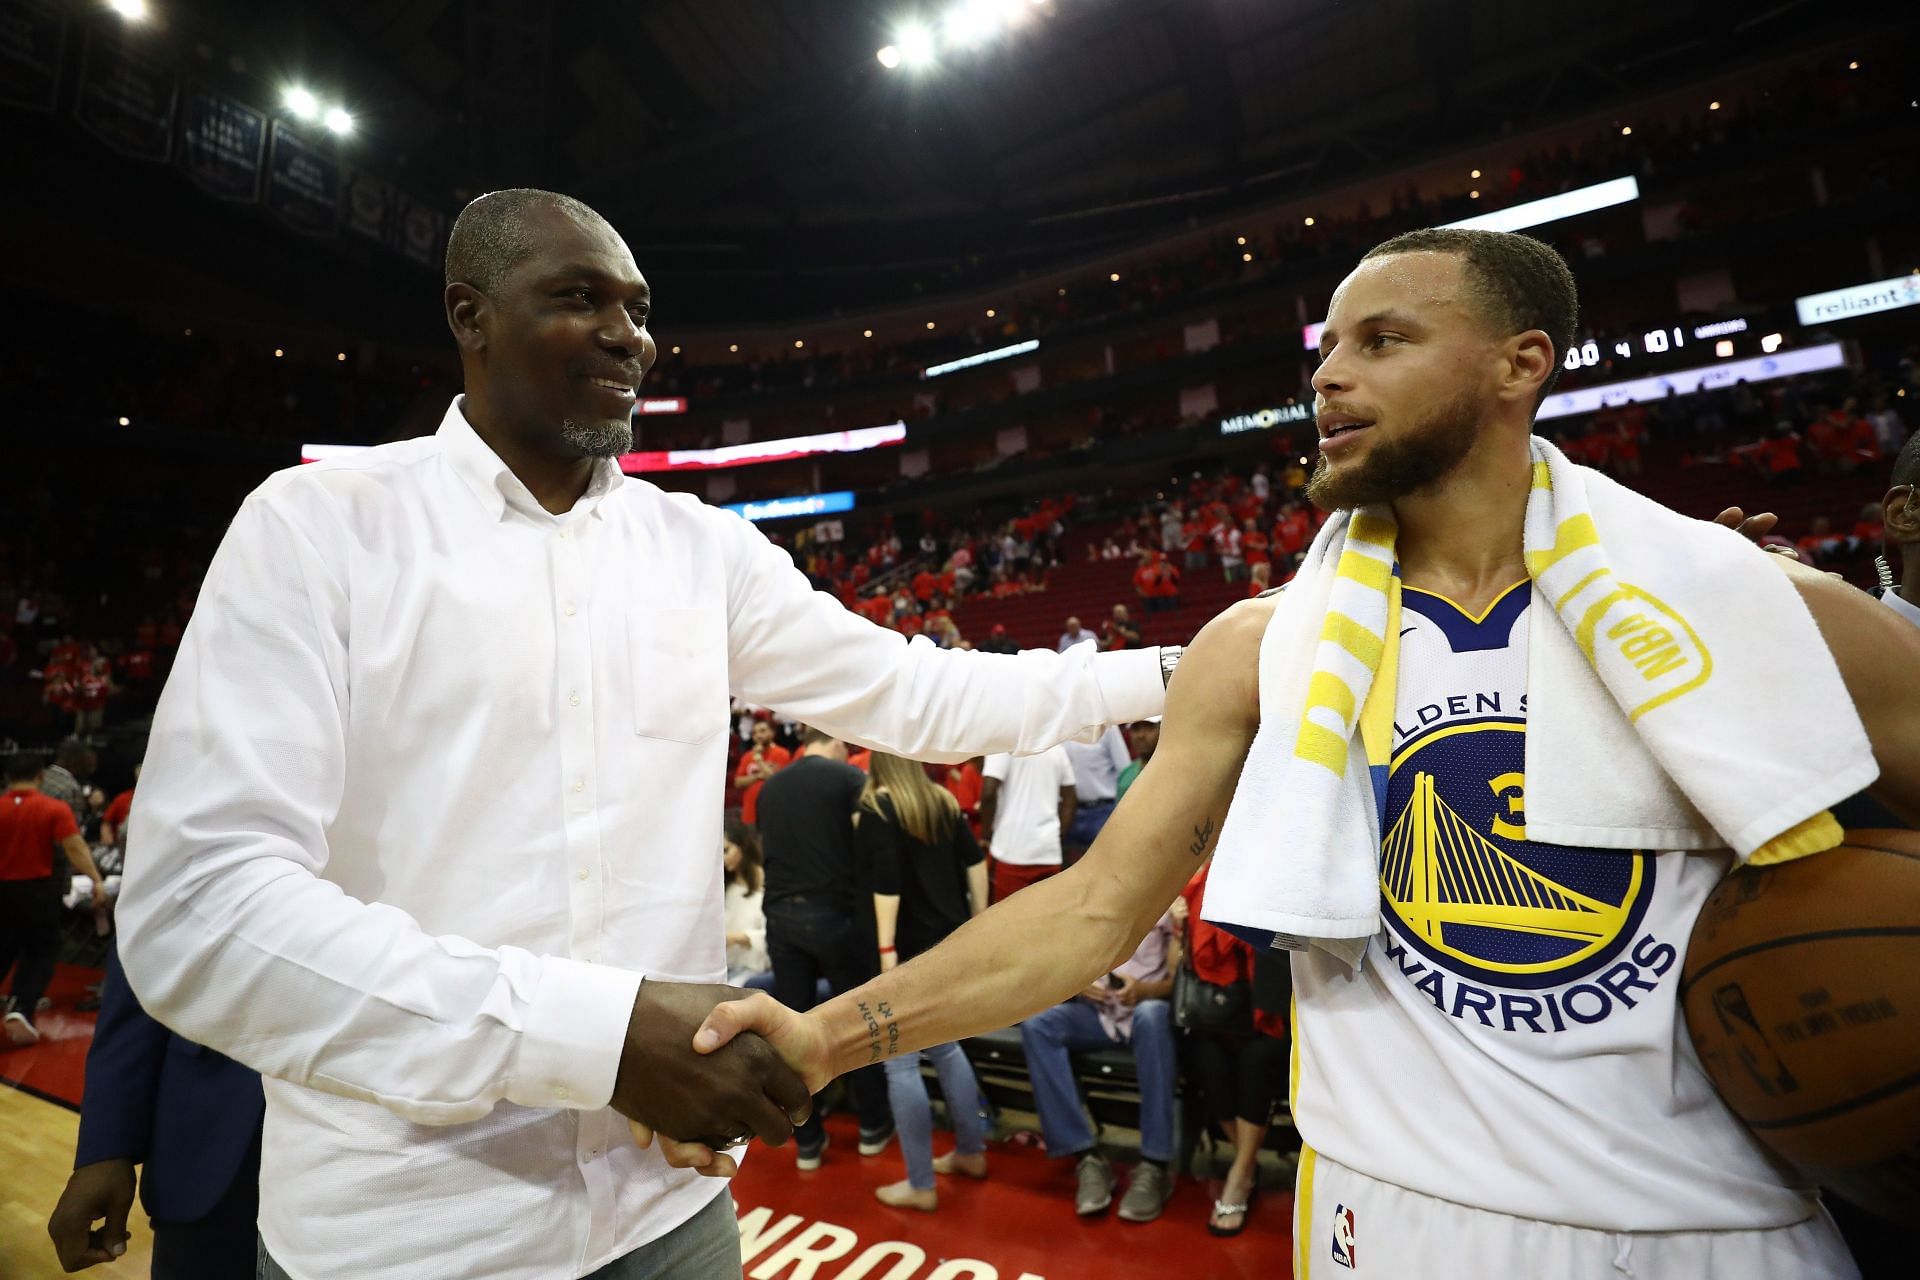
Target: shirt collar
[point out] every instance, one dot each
(492, 481)
(1892, 599)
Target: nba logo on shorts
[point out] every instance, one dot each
(1343, 1236)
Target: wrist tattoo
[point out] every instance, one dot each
(1202, 833)
(881, 1042)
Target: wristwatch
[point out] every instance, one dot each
(1169, 659)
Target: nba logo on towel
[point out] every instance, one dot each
(1343, 1236)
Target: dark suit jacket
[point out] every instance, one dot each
(188, 1114)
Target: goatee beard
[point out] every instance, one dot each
(608, 438)
(1417, 458)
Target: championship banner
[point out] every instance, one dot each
(422, 231)
(33, 36)
(303, 183)
(223, 144)
(368, 208)
(126, 98)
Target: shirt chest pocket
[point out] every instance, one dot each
(679, 671)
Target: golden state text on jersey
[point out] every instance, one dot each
(1492, 928)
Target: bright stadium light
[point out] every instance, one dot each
(339, 121)
(131, 10)
(889, 57)
(915, 43)
(1533, 213)
(302, 103)
(971, 21)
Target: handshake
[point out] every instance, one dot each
(707, 1067)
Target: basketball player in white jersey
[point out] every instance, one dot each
(1486, 1101)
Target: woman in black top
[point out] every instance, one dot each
(928, 878)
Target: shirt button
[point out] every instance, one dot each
(563, 533)
(561, 1093)
(569, 611)
(579, 786)
(575, 699)
(581, 874)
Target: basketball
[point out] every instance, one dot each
(1802, 993)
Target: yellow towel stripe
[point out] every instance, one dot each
(1354, 637)
(1372, 529)
(1576, 533)
(1816, 835)
(1366, 571)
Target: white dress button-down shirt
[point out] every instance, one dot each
(437, 779)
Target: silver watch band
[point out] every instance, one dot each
(1169, 659)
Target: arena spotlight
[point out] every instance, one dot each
(1723, 348)
(1473, 195)
(889, 57)
(990, 313)
(278, 352)
(132, 11)
(866, 333)
(915, 42)
(341, 358)
(1241, 241)
(1114, 276)
(733, 348)
(1626, 130)
(1246, 257)
(126, 422)
(799, 343)
(1309, 220)
(1474, 174)
(676, 351)
(1714, 105)
(302, 103)
(339, 121)
(971, 22)
(929, 324)
(1853, 66)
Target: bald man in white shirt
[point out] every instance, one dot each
(427, 826)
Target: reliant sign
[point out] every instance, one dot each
(1861, 300)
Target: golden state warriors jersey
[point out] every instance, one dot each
(1513, 1041)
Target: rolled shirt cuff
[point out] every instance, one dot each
(576, 1030)
(1131, 684)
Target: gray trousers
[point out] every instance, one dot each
(704, 1247)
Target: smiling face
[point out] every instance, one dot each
(1408, 372)
(560, 344)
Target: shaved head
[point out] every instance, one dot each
(496, 233)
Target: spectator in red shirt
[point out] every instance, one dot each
(758, 763)
(113, 823)
(32, 826)
(1293, 530)
(925, 583)
(1122, 632)
(1253, 544)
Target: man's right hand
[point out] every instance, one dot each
(744, 1090)
(103, 1189)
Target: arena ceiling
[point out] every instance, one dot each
(765, 166)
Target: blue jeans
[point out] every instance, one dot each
(1088, 819)
(913, 1114)
(1049, 1039)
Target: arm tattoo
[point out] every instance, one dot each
(880, 1045)
(1202, 833)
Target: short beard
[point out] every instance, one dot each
(608, 438)
(1418, 458)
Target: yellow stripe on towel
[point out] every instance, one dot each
(1366, 571)
(1574, 534)
(1817, 834)
(1355, 638)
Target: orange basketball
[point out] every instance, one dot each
(1802, 994)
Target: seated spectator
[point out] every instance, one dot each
(1260, 580)
(1142, 737)
(1889, 429)
(1840, 439)
(1026, 802)
(1122, 631)
(1243, 1076)
(747, 964)
(928, 878)
(1127, 1009)
(1075, 634)
(1820, 541)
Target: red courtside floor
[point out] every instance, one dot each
(1017, 1225)
(826, 1225)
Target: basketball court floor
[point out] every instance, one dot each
(824, 1225)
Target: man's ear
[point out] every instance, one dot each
(1900, 512)
(1530, 362)
(467, 315)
